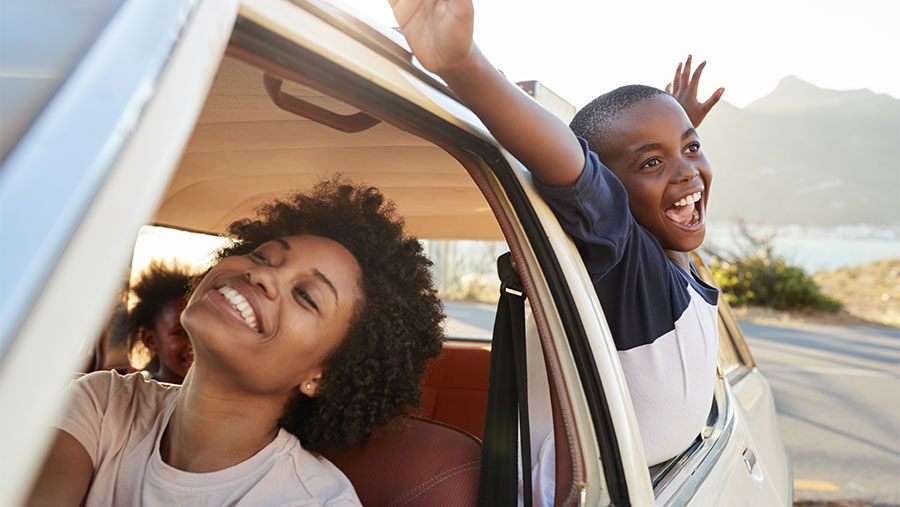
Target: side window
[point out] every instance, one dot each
(465, 275)
(730, 361)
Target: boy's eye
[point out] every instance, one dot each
(650, 164)
(260, 257)
(303, 294)
(693, 148)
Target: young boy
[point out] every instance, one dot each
(635, 216)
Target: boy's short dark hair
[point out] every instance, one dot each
(374, 374)
(592, 122)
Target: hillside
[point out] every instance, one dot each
(870, 291)
(870, 294)
(805, 155)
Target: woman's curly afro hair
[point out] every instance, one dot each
(374, 373)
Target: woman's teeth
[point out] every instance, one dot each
(241, 305)
(691, 199)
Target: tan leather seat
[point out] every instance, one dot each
(414, 462)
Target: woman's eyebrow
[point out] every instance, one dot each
(327, 282)
(284, 244)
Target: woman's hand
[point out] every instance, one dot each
(438, 31)
(684, 89)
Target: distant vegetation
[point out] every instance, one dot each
(759, 277)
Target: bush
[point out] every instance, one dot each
(760, 278)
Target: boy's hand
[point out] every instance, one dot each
(438, 31)
(684, 89)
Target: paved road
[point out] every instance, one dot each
(837, 392)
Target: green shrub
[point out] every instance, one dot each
(760, 278)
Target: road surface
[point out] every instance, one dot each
(837, 392)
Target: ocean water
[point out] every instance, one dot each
(814, 250)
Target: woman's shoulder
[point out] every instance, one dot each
(110, 385)
(320, 477)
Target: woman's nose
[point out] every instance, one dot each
(263, 279)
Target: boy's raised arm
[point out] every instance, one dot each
(440, 35)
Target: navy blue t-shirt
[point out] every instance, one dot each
(663, 319)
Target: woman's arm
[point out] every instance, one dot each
(65, 476)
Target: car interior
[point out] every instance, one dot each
(266, 130)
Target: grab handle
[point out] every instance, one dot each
(349, 123)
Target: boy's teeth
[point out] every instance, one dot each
(691, 199)
(240, 304)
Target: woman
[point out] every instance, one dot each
(311, 330)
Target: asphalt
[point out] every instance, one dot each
(837, 393)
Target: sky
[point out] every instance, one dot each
(580, 49)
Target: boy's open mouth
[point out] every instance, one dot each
(688, 212)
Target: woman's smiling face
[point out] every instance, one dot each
(269, 319)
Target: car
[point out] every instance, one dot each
(186, 114)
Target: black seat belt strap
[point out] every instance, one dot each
(507, 399)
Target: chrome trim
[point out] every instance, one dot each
(690, 469)
(51, 175)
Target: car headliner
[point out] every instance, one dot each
(245, 150)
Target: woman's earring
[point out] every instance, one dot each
(308, 386)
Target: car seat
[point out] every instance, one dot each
(414, 462)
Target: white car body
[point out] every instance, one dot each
(148, 127)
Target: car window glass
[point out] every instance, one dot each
(729, 358)
(465, 274)
(41, 41)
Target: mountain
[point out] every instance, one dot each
(806, 155)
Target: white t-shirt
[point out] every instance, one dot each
(120, 420)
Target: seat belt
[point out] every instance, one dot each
(507, 399)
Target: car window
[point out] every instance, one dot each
(465, 274)
(730, 361)
(41, 41)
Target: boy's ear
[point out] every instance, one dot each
(149, 339)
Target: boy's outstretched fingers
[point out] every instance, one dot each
(684, 89)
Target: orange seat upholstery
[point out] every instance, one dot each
(414, 462)
(455, 387)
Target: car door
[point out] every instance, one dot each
(740, 458)
(91, 156)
